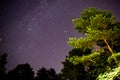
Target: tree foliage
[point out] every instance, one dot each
(25, 72)
(101, 31)
(21, 72)
(111, 75)
(3, 62)
(44, 74)
(71, 71)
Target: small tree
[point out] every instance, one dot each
(3, 62)
(44, 74)
(21, 72)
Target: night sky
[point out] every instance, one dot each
(37, 31)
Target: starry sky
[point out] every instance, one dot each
(37, 31)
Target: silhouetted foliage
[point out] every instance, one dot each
(25, 72)
(44, 74)
(3, 62)
(21, 72)
(74, 72)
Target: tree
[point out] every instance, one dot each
(44, 74)
(101, 31)
(111, 75)
(3, 62)
(52, 74)
(21, 72)
(74, 72)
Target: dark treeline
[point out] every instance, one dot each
(25, 72)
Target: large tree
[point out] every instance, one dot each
(101, 35)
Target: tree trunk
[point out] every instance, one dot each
(110, 49)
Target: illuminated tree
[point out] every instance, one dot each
(101, 35)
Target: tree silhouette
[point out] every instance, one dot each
(52, 74)
(71, 71)
(44, 74)
(25, 72)
(3, 62)
(21, 72)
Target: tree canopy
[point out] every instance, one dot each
(101, 36)
(21, 72)
(44, 74)
(71, 71)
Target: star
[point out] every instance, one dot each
(65, 31)
(0, 39)
(29, 29)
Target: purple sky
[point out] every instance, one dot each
(37, 31)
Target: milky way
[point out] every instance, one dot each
(37, 31)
